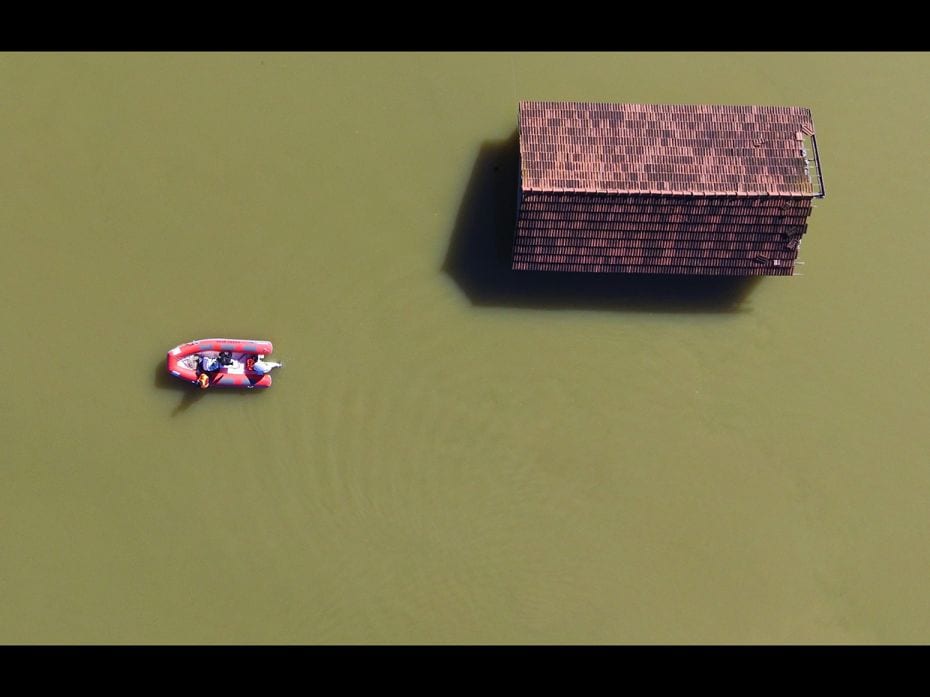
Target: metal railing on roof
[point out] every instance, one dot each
(814, 170)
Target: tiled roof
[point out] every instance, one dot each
(659, 234)
(664, 149)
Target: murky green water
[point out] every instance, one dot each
(448, 455)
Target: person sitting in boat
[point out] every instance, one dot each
(260, 365)
(225, 357)
(209, 364)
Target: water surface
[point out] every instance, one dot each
(449, 455)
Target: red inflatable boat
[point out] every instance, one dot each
(184, 362)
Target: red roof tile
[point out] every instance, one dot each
(697, 150)
(659, 234)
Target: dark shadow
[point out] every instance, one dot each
(192, 394)
(479, 258)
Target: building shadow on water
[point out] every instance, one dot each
(479, 258)
(191, 394)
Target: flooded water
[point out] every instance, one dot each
(452, 453)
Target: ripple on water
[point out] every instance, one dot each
(404, 477)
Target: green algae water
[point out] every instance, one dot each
(450, 454)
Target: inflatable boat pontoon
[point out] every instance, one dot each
(184, 362)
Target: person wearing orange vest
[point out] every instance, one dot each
(261, 366)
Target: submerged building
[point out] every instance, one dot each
(664, 189)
